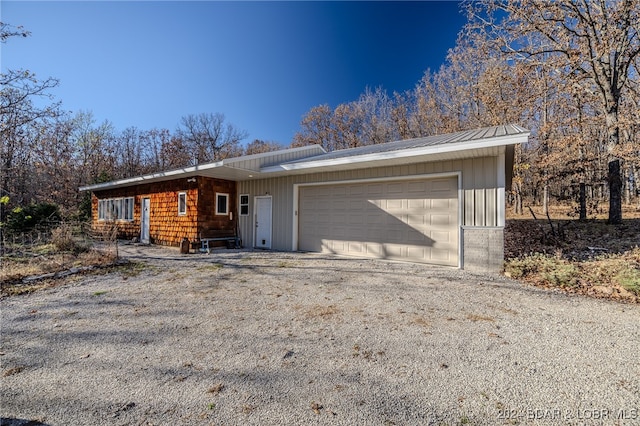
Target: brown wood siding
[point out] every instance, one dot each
(166, 226)
(208, 221)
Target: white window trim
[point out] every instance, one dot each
(240, 205)
(107, 206)
(218, 194)
(182, 212)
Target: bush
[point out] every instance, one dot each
(544, 269)
(28, 218)
(62, 239)
(629, 279)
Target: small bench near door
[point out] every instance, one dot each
(231, 240)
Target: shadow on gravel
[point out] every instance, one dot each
(20, 422)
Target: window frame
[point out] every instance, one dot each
(116, 209)
(101, 206)
(245, 205)
(226, 197)
(182, 203)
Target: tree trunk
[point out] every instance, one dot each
(615, 174)
(615, 193)
(545, 199)
(583, 201)
(517, 198)
(627, 186)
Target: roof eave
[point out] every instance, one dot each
(228, 165)
(154, 177)
(391, 155)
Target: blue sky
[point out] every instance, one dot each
(262, 64)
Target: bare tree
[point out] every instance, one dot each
(20, 122)
(94, 149)
(209, 138)
(594, 44)
(174, 153)
(129, 152)
(154, 140)
(258, 146)
(316, 128)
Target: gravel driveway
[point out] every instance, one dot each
(264, 338)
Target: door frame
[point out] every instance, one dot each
(256, 200)
(144, 223)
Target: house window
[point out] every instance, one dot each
(128, 208)
(182, 203)
(101, 207)
(244, 205)
(116, 209)
(222, 203)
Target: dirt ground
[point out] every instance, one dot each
(249, 337)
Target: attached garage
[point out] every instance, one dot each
(401, 219)
(438, 199)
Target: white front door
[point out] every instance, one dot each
(263, 222)
(144, 221)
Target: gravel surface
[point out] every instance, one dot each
(250, 337)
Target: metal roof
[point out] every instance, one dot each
(236, 169)
(429, 141)
(470, 143)
(466, 144)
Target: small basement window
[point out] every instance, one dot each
(222, 203)
(182, 203)
(244, 205)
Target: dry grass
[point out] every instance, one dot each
(589, 257)
(21, 265)
(24, 271)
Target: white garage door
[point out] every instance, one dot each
(415, 220)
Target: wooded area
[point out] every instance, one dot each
(566, 70)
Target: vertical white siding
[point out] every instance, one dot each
(479, 187)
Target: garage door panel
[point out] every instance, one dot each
(416, 252)
(440, 237)
(440, 255)
(392, 204)
(396, 188)
(357, 248)
(419, 187)
(413, 220)
(440, 221)
(394, 251)
(374, 189)
(374, 250)
(339, 191)
(442, 185)
(416, 204)
(418, 238)
(439, 204)
(338, 246)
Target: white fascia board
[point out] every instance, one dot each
(152, 177)
(194, 170)
(313, 149)
(389, 155)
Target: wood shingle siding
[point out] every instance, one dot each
(166, 226)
